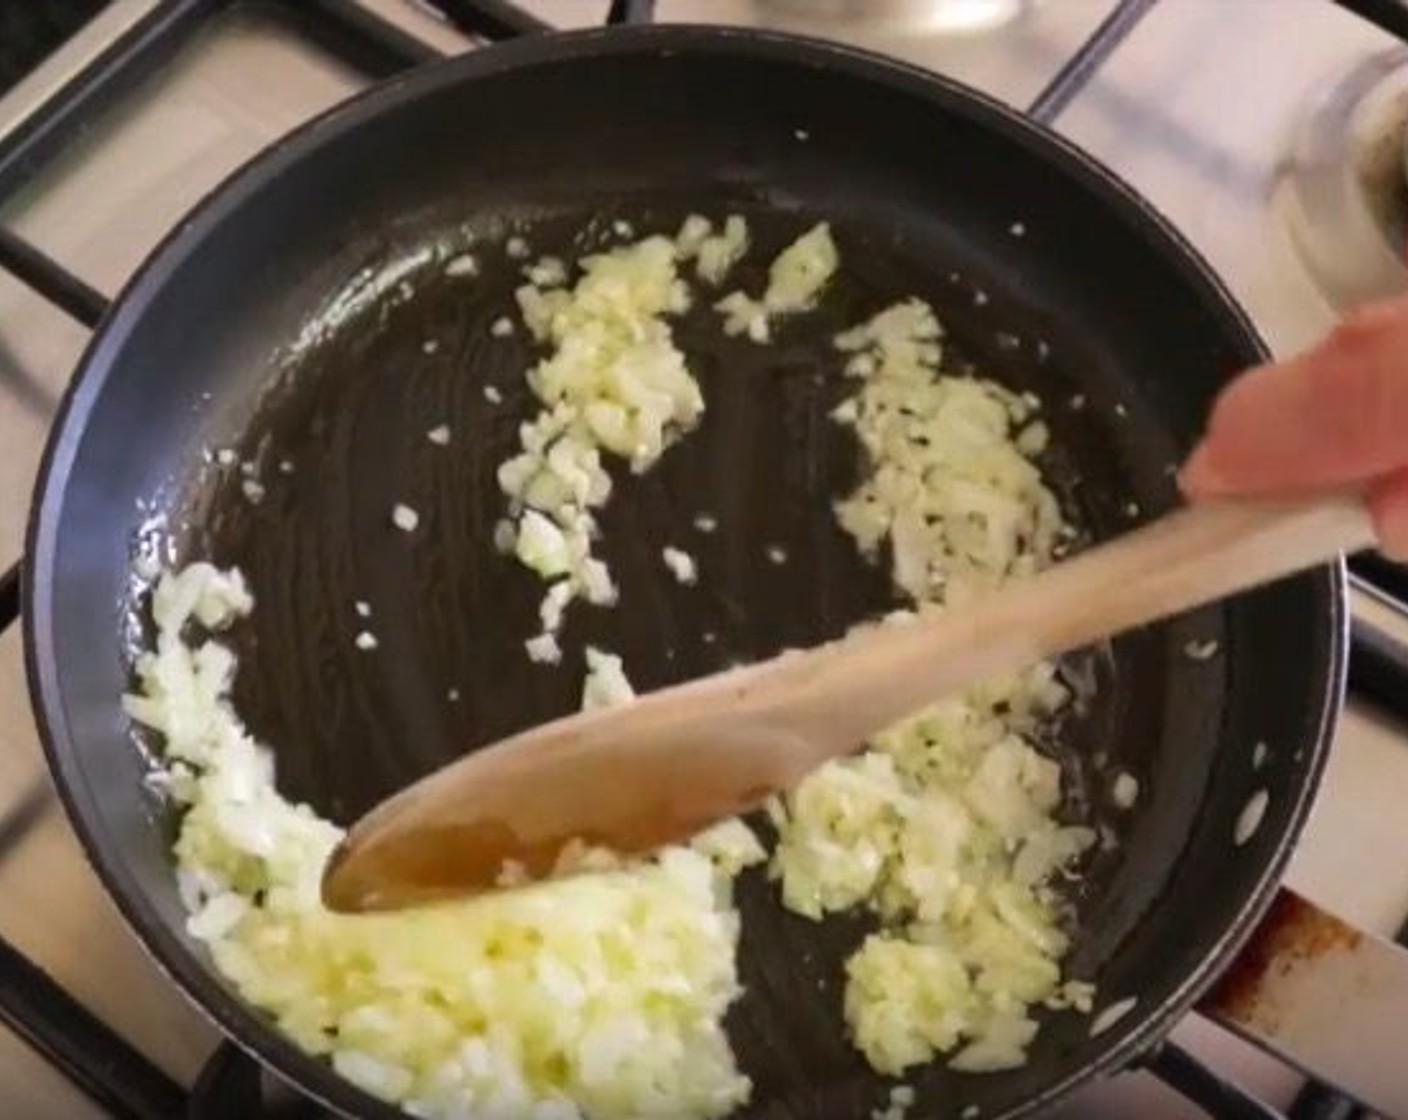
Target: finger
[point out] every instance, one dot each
(1388, 501)
(1334, 415)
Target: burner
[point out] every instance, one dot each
(1343, 191)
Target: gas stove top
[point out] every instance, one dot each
(1270, 131)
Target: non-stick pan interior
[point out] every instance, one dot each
(305, 320)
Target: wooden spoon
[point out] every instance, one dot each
(656, 771)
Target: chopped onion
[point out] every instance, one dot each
(945, 828)
(597, 996)
(606, 684)
(795, 282)
(1124, 792)
(680, 563)
(614, 382)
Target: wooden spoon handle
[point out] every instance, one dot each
(652, 772)
(1191, 557)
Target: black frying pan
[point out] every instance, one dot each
(260, 324)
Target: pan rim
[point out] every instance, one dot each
(242, 1023)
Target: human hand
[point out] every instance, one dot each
(1334, 417)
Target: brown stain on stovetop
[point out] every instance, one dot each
(1292, 937)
